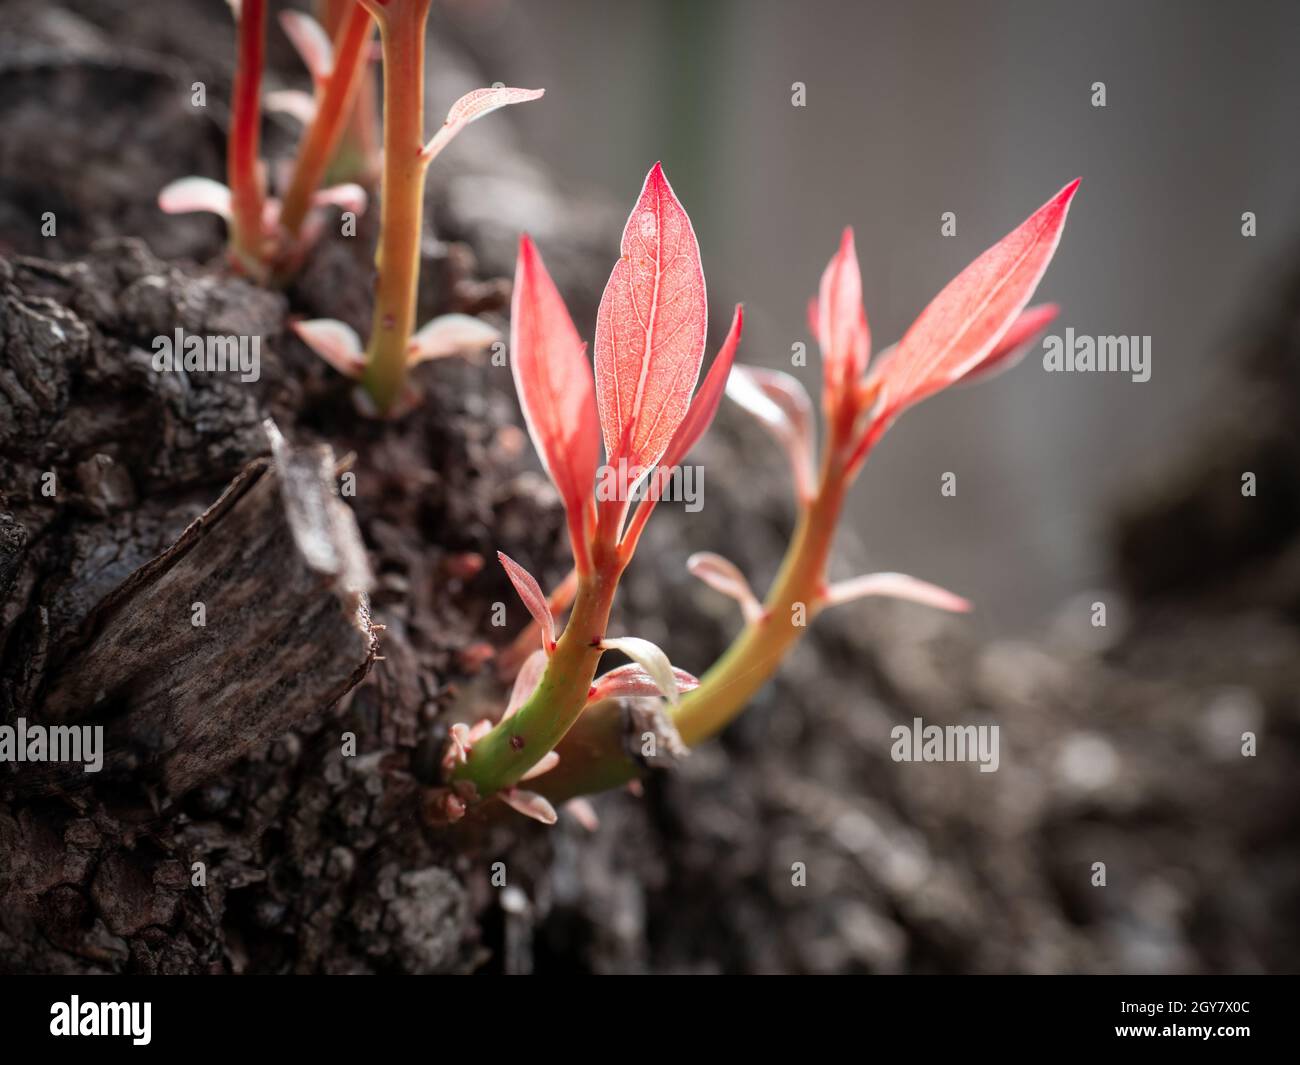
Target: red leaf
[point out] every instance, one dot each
(650, 658)
(534, 599)
(961, 327)
(705, 404)
(1006, 353)
(1015, 343)
(633, 680)
(553, 379)
(697, 421)
(650, 328)
(841, 321)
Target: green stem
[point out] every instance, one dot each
(517, 744)
(756, 653)
(401, 28)
(592, 756)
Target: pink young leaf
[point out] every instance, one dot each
(651, 659)
(458, 745)
(534, 598)
(293, 102)
(509, 660)
(895, 586)
(470, 108)
(335, 342)
(530, 673)
(1015, 343)
(583, 812)
(723, 575)
(450, 334)
(650, 329)
(553, 379)
(348, 197)
(962, 325)
(781, 404)
(841, 321)
(545, 764)
(1006, 354)
(461, 739)
(530, 804)
(632, 679)
(814, 319)
(474, 105)
(310, 41)
(195, 194)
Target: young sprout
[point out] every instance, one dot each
(976, 326)
(269, 237)
(650, 337)
(393, 344)
(265, 235)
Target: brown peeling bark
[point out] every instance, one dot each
(277, 567)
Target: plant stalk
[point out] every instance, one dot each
(243, 165)
(517, 744)
(357, 153)
(756, 653)
(593, 757)
(401, 29)
(351, 44)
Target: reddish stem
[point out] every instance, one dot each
(319, 142)
(243, 167)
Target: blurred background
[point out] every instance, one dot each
(984, 110)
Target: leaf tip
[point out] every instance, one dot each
(1061, 201)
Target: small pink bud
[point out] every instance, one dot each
(584, 813)
(474, 657)
(464, 565)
